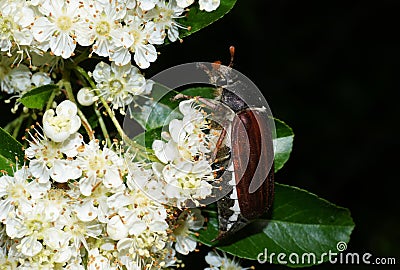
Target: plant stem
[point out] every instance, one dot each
(139, 149)
(86, 76)
(102, 126)
(70, 96)
(51, 99)
(85, 81)
(81, 57)
(15, 125)
(18, 127)
(10, 125)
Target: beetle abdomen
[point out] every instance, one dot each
(252, 152)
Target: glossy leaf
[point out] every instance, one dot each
(300, 223)
(204, 92)
(196, 19)
(151, 114)
(10, 152)
(283, 143)
(38, 97)
(147, 138)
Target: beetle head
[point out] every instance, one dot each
(233, 101)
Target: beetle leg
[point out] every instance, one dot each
(206, 102)
(218, 145)
(181, 96)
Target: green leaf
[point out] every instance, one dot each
(283, 143)
(154, 114)
(300, 223)
(205, 92)
(146, 138)
(10, 150)
(197, 19)
(38, 97)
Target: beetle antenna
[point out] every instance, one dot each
(232, 52)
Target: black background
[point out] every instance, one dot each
(330, 70)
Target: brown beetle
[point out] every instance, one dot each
(251, 152)
(251, 149)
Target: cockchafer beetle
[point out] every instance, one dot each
(251, 149)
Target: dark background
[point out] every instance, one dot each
(330, 70)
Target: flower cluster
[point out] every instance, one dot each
(221, 262)
(37, 36)
(76, 198)
(19, 79)
(118, 30)
(120, 84)
(185, 167)
(79, 202)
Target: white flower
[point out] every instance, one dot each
(59, 127)
(58, 240)
(147, 4)
(97, 261)
(166, 152)
(187, 140)
(144, 36)
(144, 180)
(119, 84)
(18, 191)
(188, 173)
(188, 182)
(6, 262)
(61, 23)
(98, 166)
(116, 229)
(85, 96)
(143, 249)
(138, 176)
(188, 221)
(94, 205)
(40, 78)
(164, 18)
(137, 213)
(47, 158)
(75, 263)
(218, 262)
(16, 17)
(209, 5)
(30, 225)
(78, 231)
(104, 30)
(13, 80)
(184, 3)
(86, 211)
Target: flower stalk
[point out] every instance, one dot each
(70, 95)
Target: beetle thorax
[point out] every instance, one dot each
(233, 101)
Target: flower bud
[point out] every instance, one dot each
(85, 97)
(60, 124)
